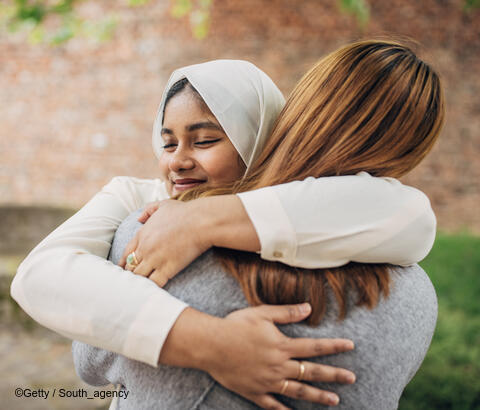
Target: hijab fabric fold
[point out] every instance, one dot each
(244, 100)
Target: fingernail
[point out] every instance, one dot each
(349, 345)
(305, 308)
(350, 378)
(333, 399)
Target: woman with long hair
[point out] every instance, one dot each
(372, 107)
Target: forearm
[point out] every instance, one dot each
(356, 218)
(77, 295)
(66, 284)
(324, 222)
(225, 223)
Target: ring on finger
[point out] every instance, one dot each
(129, 267)
(301, 371)
(132, 259)
(284, 387)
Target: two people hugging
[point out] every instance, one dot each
(286, 238)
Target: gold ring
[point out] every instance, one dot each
(132, 259)
(301, 371)
(284, 387)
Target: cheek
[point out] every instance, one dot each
(163, 166)
(223, 166)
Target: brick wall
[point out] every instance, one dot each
(73, 117)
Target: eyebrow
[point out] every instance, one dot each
(198, 125)
(206, 124)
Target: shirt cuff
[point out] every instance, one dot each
(148, 332)
(277, 237)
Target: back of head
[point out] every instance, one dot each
(370, 106)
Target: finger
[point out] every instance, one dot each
(129, 267)
(143, 217)
(266, 401)
(131, 246)
(314, 372)
(148, 211)
(159, 277)
(302, 391)
(285, 313)
(143, 269)
(303, 347)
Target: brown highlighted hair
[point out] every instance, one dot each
(370, 106)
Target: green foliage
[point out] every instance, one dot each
(181, 8)
(358, 8)
(471, 4)
(134, 3)
(450, 375)
(37, 11)
(199, 12)
(30, 16)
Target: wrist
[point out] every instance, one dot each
(214, 219)
(224, 223)
(189, 343)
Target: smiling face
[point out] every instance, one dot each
(196, 150)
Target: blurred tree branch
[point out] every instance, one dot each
(31, 16)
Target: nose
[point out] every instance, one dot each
(181, 161)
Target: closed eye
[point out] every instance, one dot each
(169, 146)
(207, 142)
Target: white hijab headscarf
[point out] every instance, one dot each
(244, 100)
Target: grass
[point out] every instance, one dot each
(450, 375)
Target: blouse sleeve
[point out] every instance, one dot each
(67, 285)
(330, 221)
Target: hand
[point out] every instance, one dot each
(148, 211)
(170, 240)
(251, 357)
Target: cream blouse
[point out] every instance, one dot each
(67, 285)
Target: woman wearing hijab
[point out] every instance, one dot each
(67, 285)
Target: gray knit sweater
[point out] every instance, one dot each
(390, 343)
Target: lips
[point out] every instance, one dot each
(186, 183)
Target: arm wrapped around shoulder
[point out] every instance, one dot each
(330, 221)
